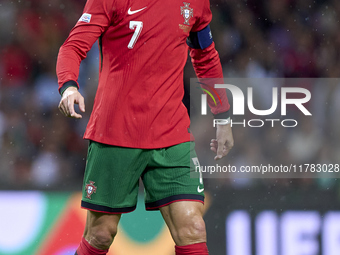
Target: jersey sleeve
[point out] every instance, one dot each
(204, 18)
(96, 18)
(206, 63)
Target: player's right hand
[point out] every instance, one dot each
(70, 97)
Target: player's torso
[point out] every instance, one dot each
(140, 90)
(151, 27)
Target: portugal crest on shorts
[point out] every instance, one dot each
(187, 13)
(90, 189)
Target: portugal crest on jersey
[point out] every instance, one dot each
(187, 13)
(90, 189)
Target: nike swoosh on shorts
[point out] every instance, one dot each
(199, 190)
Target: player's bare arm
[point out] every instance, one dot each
(70, 97)
(224, 141)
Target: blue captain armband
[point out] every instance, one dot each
(201, 39)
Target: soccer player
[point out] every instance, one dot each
(139, 126)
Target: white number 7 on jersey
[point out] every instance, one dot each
(137, 26)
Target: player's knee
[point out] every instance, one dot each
(101, 238)
(193, 231)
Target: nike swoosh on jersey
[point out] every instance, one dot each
(199, 190)
(133, 12)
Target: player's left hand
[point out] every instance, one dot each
(224, 141)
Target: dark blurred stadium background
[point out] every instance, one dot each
(42, 150)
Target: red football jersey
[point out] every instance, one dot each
(143, 52)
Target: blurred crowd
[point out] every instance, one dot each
(40, 148)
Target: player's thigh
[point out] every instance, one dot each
(185, 222)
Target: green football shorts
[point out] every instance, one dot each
(112, 174)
